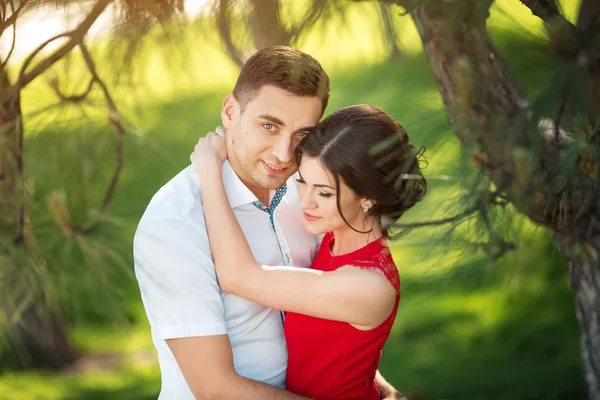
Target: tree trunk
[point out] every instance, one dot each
(224, 27)
(38, 334)
(265, 24)
(589, 11)
(584, 267)
(35, 326)
(483, 107)
(589, 20)
(40, 338)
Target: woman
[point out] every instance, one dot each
(357, 175)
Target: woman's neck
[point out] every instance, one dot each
(347, 240)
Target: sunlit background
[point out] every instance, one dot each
(467, 328)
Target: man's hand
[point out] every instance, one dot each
(395, 396)
(386, 390)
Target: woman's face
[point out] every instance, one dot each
(316, 188)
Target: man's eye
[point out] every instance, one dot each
(269, 127)
(302, 135)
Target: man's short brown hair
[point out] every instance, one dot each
(286, 68)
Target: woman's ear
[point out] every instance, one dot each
(367, 204)
(229, 111)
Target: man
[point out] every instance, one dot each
(213, 345)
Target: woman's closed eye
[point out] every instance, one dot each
(322, 194)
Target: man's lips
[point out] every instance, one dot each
(273, 169)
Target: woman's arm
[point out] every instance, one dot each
(349, 294)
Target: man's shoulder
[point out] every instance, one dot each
(177, 201)
(174, 217)
(175, 198)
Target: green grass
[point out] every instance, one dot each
(466, 329)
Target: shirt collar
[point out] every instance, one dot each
(237, 193)
(274, 202)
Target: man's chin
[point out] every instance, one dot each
(271, 182)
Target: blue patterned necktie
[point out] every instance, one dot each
(279, 193)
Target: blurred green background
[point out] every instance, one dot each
(467, 328)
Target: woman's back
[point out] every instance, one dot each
(335, 360)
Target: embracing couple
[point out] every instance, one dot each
(264, 266)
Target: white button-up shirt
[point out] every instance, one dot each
(177, 279)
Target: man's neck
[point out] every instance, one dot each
(261, 193)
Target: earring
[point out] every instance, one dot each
(366, 207)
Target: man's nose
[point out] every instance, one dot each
(284, 149)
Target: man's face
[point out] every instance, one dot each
(263, 138)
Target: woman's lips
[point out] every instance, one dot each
(310, 218)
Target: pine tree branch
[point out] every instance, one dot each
(13, 17)
(31, 56)
(402, 3)
(223, 21)
(318, 7)
(76, 37)
(484, 108)
(557, 122)
(545, 10)
(498, 247)
(494, 198)
(3, 11)
(115, 120)
(574, 43)
(12, 47)
(73, 98)
(456, 218)
(589, 12)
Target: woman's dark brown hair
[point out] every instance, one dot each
(369, 151)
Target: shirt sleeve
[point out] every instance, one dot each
(177, 279)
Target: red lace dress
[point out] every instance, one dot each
(333, 360)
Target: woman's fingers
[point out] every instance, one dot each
(220, 132)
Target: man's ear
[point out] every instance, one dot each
(230, 111)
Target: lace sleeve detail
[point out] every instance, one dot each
(381, 261)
